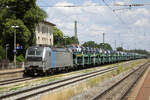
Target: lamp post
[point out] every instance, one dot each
(65, 41)
(6, 50)
(103, 41)
(15, 27)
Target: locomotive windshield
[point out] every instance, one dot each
(34, 54)
(35, 51)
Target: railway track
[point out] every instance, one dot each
(14, 72)
(31, 92)
(120, 89)
(15, 80)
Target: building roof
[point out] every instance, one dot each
(49, 23)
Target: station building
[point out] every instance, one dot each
(44, 33)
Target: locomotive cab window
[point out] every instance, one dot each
(39, 53)
(35, 51)
(31, 52)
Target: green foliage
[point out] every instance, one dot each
(23, 13)
(22, 34)
(70, 40)
(58, 36)
(61, 40)
(105, 46)
(139, 51)
(31, 18)
(119, 49)
(20, 58)
(119, 69)
(57, 32)
(75, 41)
(92, 44)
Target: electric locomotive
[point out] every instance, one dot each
(44, 60)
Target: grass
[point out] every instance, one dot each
(65, 94)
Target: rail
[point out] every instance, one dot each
(27, 93)
(107, 92)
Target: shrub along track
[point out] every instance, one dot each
(31, 92)
(120, 89)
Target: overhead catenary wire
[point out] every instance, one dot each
(121, 20)
(113, 10)
(107, 5)
(112, 4)
(132, 5)
(129, 5)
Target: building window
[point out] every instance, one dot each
(50, 31)
(38, 28)
(43, 31)
(50, 42)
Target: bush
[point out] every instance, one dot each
(20, 58)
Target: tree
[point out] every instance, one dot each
(58, 36)
(22, 35)
(119, 49)
(139, 51)
(74, 40)
(90, 44)
(105, 46)
(70, 40)
(23, 13)
(61, 40)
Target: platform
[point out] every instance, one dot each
(142, 90)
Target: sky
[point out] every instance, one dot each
(128, 27)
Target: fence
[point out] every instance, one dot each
(6, 65)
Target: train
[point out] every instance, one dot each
(42, 60)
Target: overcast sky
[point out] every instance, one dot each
(129, 27)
